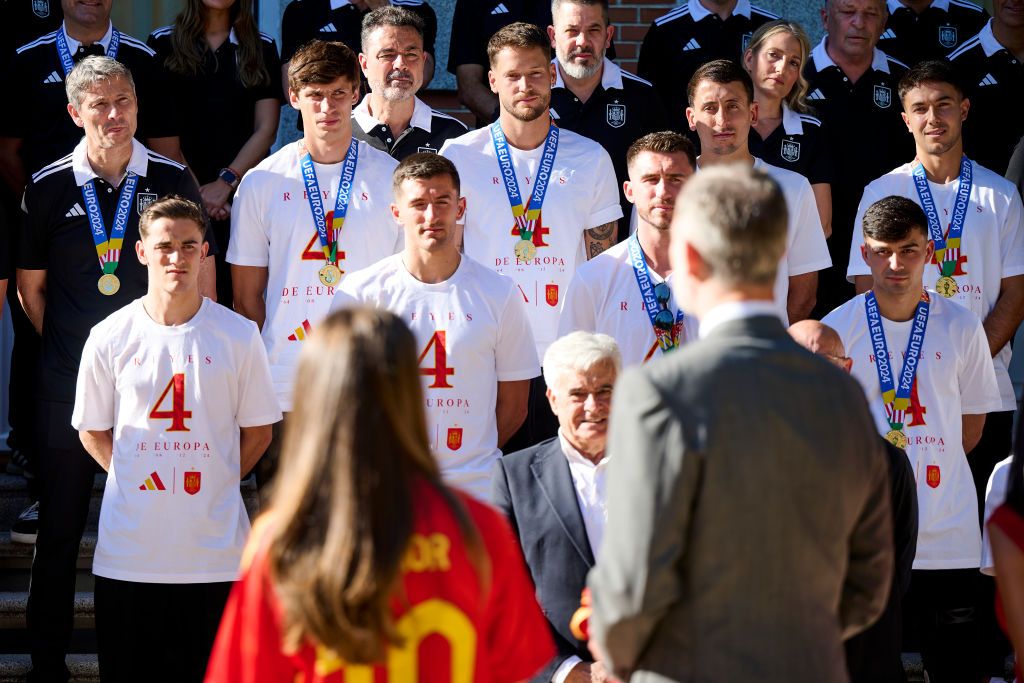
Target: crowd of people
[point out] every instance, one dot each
(477, 371)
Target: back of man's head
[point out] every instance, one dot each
(735, 217)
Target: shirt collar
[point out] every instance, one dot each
(611, 75)
(791, 122)
(937, 4)
(699, 11)
(574, 456)
(73, 44)
(988, 40)
(232, 38)
(735, 310)
(422, 115)
(138, 164)
(879, 62)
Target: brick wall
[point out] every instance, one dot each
(632, 18)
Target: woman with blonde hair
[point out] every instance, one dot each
(366, 564)
(785, 133)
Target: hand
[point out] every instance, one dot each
(216, 196)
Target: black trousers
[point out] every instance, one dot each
(940, 616)
(65, 473)
(156, 632)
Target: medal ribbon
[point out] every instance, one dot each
(666, 339)
(109, 249)
(947, 247)
(64, 53)
(525, 216)
(329, 242)
(896, 397)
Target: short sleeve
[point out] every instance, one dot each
(250, 236)
(1011, 237)
(429, 18)
(294, 31)
(516, 353)
(257, 404)
(12, 119)
(605, 207)
(808, 251)
(95, 388)
(32, 231)
(466, 45)
(578, 311)
(820, 168)
(979, 393)
(272, 63)
(995, 495)
(857, 265)
(346, 295)
(5, 248)
(158, 115)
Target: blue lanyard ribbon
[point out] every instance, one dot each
(109, 249)
(525, 216)
(896, 397)
(947, 246)
(329, 242)
(667, 339)
(64, 53)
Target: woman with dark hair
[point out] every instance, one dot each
(365, 562)
(786, 134)
(226, 77)
(1005, 529)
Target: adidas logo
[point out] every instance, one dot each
(54, 77)
(816, 95)
(301, 332)
(692, 45)
(988, 80)
(888, 35)
(152, 483)
(500, 9)
(76, 210)
(330, 28)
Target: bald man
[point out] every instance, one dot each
(874, 655)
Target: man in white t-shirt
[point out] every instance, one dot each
(625, 291)
(924, 364)
(477, 354)
(722, 111)
(293, 235)
(174, 400)
(540, 200)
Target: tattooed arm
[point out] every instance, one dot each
(600, 238)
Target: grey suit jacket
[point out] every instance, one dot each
(749, 529)
(535, 491)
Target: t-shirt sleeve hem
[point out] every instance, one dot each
(813, 267)
(1012, 271)
(240, 260)
(606, 215)
(516, 375)
(91, 426)
(260, 420)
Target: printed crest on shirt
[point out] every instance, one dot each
(883, 96)
(551, 294)
(947, 36)
(790, 150)
(145, 199)
(933, 476)
(192, 482)
(454, 438)
(41, 8)
(427, 150)
(615, 115)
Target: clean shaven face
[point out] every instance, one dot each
(582, 402)
(108, 113)
(428, 210)
(655, 179)
(935, 114)
(326, 108)
(854, 26)
(722, 115)
(172, 252)
(776, 66)
(898, 267)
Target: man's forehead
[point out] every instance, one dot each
(102, 87)
(395, 36)
(520, 57)
(651, 161)
(337, 84)
(710, 90)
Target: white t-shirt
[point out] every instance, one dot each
(582, 194)
(175, 397)
(992, 244)
(806, 249)
(272, 227)
(471, 332)
(995, 495)
(604, 297)
(954, 378)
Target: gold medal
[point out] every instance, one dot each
(897, 438)
(330, 275)
(525, 250)
(946, 286)
(108, 284)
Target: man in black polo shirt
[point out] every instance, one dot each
(853, 89)
(341, 21)
(391, 117)
(690, 35)
(23, 20)
(929, 29)
(592, 96)
(992, 66)
(75, 267)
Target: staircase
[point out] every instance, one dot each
(15, 566)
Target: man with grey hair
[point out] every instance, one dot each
(391, 117)
(81, 207)
(553, 493)
(738, 546)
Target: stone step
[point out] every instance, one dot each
(13, 604)
(16, 563)
(84, 668)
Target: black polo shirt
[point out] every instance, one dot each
(213, 134)
(427, 130)
(865, 137)
(621, 109)
(995, 85)
(942, 27)
(341, 21)
(56, 237)
(41, 120)
(23, 20)
(689, 36)
(475, 21)
(798, 144)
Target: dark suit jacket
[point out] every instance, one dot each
(535, 491)
(749, 529)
